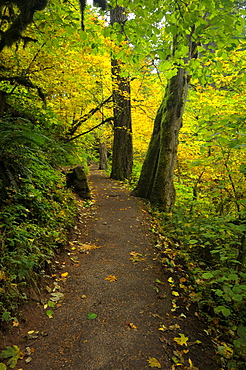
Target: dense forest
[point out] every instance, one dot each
(154, 93)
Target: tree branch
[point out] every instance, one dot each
(86, 116)
(91, 129)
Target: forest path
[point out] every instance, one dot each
(117, 282)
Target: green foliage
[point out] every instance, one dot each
(209, 245)
(13, 354)
(36, 210)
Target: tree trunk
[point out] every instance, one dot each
(122, 145)
(156, 179)
(103, 163)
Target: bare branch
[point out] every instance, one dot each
(110, 119)
(86, 116)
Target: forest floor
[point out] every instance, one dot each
(111, 297)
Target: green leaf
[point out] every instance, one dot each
(49, 313)
(237, 297)
(2, 366)
(6, 315)
(241, 331)
(226, 312)
(193, 241)
(83, 35)
(92, 315)
(233, 277)
(13, 353)
(207, 275)
(219, 292)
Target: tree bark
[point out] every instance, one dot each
(103, 163)
(156, 179)
(122, 145)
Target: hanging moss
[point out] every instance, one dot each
(18, 19)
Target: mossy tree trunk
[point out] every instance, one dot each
(122, 145)
(156, 179)
(103, 162)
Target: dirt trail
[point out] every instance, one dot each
(125, 334)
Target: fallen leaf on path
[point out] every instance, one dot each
(74, 259)
(136, 257)
(173, 327)
(49, 313)
(111, 278)
(158, 281)
(64, 274)
(153, 362)
(48, 289)
(58, 296)
(28, 360)
(176, 294)
(179, 357)
(192, 366)
(182, 340)
(87, 247)
(92, 315)
(131, 325)
(56, 287)
(34, 334)
(162, 328)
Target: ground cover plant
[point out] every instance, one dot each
(36, 210)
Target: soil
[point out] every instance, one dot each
(111, 270)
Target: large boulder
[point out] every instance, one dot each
(77, 180)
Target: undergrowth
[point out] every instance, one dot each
(210, 247)
(36, 210)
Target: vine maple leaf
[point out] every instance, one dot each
(153, 362)
(111, 278)
(182, 340)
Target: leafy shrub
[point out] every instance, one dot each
(211, 247)
(36, 209)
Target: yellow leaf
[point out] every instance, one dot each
(170, 280)
(64, 275)
(132, 326)
(153, 362)
(2, 275)
(111, 278)
(191, 365)
(87, 247)
(182, 340)
(176, 294)
(174, 327)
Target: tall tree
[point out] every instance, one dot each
(122, 145)
(156, 179)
